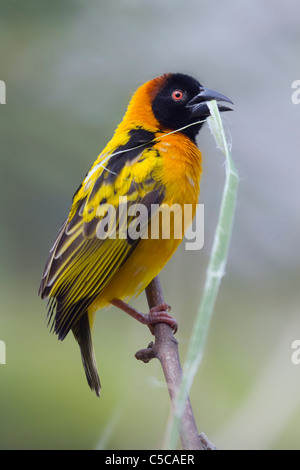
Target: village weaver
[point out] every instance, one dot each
(151, 160)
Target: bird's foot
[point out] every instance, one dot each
(158, 314)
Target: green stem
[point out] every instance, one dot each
(214, 274)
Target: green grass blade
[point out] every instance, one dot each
(214, 274)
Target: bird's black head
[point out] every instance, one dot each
(182, 101)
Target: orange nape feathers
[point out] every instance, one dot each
(139, 110)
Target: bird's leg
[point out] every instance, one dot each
(158, 314)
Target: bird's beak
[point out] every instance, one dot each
(198, 104)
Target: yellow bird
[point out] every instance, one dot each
(151, 161)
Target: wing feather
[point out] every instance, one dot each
(81, 263)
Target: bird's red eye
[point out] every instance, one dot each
(177, 95)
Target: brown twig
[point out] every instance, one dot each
(165, 349)
(206, 444)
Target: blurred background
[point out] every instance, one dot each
(70, 69)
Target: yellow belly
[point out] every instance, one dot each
(147, 260)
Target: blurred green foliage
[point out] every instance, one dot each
(70, 68)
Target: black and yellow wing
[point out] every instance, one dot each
(84, 258)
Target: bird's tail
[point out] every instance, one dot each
(82, 333)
